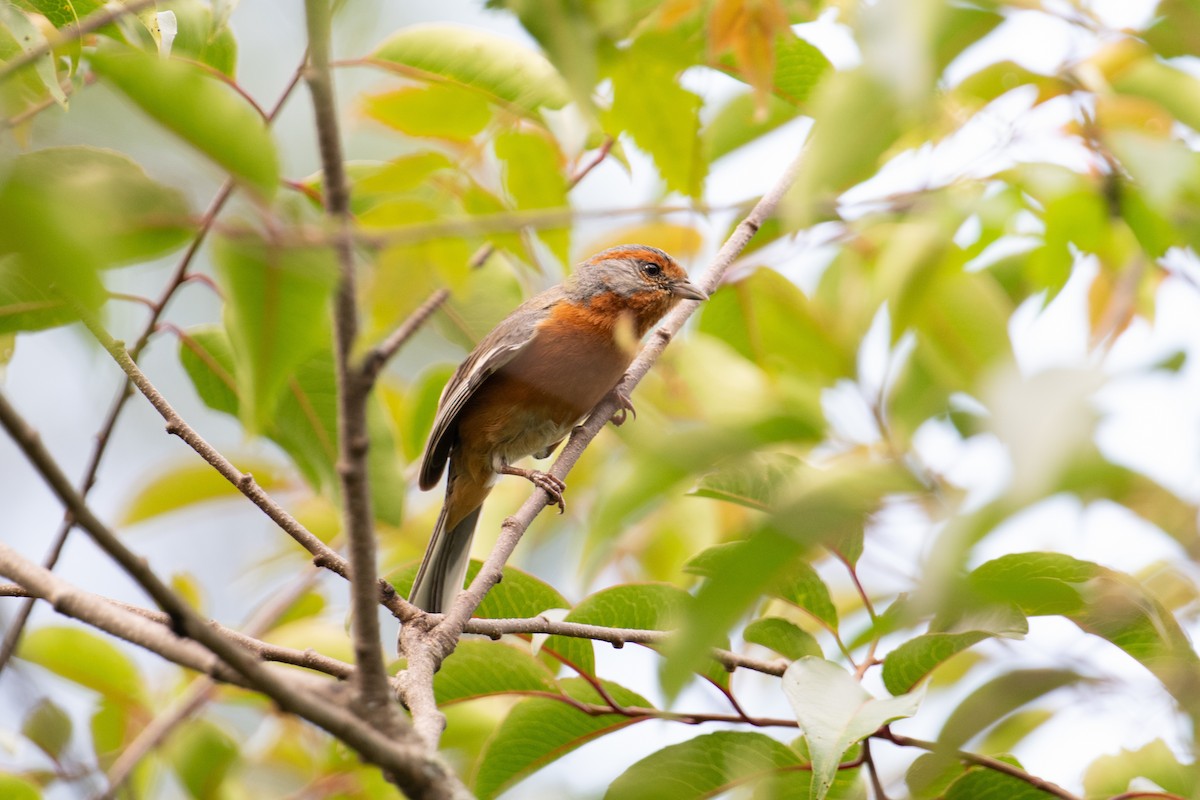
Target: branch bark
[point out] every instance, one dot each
(373, 691)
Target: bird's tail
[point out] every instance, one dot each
(445, 565)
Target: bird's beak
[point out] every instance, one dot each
(688, 290)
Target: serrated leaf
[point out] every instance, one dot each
(84, 658)
(202, 110)
(835, 712)
(644, 606)
(504, 71)
(177, 487)
(909, 663)
(532, 171)
(755, 482)
(48, 727)
(479, 669)
(707, 766)
(985, 784)
(662, 117)
(538, 731)
(797, 582)
(783, 636)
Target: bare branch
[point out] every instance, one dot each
(374, 692)
(377, 358)
(406, 759)
(617, 637)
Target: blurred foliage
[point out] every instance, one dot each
(744, 505)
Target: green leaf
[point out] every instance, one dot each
(705, 766)
(440, 111)
(783, 636)
(70, 211)
(1173, 89)
(723, 599)
(799, 67)
(997, 699)
(959, 27)
(909, 663)
(1110, 775)
(662, 117)
(502, 70)
(1176, 28)
(479, 669)
(202, 755)
(86, 659)
(202, 35)
(856, 119)
(202, 110)
(643, 606)
(305, 422)
(30, 38)
(835, 712)
(985, 784)
(111, 728)
(532, 170)
(797, 582)
(767, 319)
(62, 12)
(538, 731)
(48, 727)
(736, 124)
(177, 487)
(14, 787)
(755, 482)
(276, 313)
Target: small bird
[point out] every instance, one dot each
(527, 384)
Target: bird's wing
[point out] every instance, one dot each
(495, 350)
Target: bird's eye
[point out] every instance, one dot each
(651, 269)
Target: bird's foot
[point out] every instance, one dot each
(552, 485)
(624, 407)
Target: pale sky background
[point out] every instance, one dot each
(64, 384)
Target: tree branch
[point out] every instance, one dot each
(403, 757)
(374, 692)
(375, 360)
(617, 637)
(980, 760)
(323, 555)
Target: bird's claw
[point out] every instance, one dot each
(552, 485)
(624, 408)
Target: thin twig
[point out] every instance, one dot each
(617, 637)
(980, 760)
(872, 771)
(377, 358)
(373, 689)
(179, 276)
(419, 772)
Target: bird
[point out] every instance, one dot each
(527, 384)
